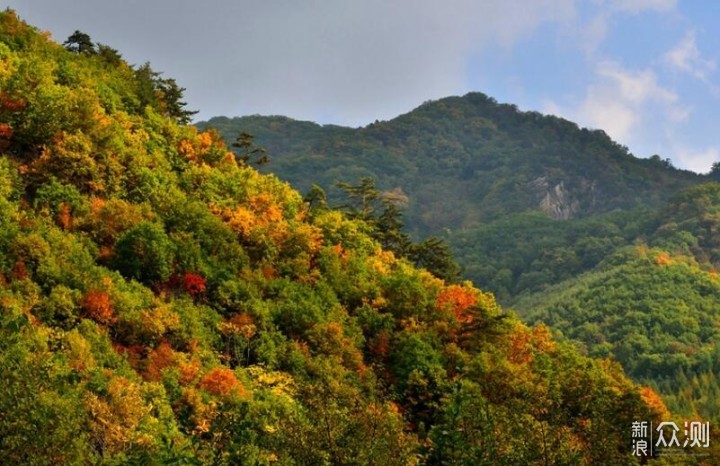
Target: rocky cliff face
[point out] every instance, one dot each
(556, 200)
(559, 203)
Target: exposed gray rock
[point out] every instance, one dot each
(559, 203)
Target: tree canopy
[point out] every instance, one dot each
(162, 303)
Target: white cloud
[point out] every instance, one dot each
(678, 113)
(636, 87)
(615, 117)
(621, 100)
(686, 57)
(626, 104)
(551, 107)
(697, 160)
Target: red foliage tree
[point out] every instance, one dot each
(133, 353)
(64, 217)
(193, 283)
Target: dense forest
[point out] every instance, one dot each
(467, 168)
(617, 254)
(654, 306)
(162, 302)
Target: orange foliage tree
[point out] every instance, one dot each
(159, 358)
(221, 381)
(98, 306)
(459, 299)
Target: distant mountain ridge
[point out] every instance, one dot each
(467, 165)
(491, 159)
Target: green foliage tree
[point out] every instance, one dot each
(144, 253)
(249, 152)
(79, 42)
(316, 199)
(434, 255)
(161, 93)
(715, 171)
(363, 199)
(172, 97)
(381, 212)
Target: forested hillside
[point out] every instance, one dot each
(468, 166)
(164, 303)
(615, 253)
(655, 306)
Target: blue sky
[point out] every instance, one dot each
(645, 71)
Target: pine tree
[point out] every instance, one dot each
(79, 42)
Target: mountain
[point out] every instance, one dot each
(487, 159)
(164, 303)
(617, 254)
(468, 168)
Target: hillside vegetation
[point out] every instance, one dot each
(468, 167)
(655, 306)
(563, 225)
(163, 303)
